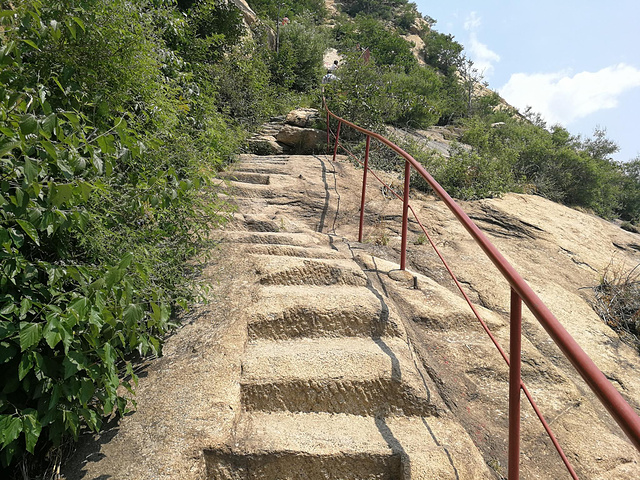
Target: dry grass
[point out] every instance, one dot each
(617, 301)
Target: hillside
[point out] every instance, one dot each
(121, 213)
(284, 279)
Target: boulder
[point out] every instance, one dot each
(303, 140)
(264, 145)
(303, 117)
(248, 14)
(418, 47)
(419, 26)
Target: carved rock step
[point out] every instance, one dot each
(275, 270)
(295, 251)
(246, 177)
(280, 168)
(359, 376)
(266, 159)
(293, 312)
(286, 446)
(302, 240)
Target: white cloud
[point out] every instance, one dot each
(562, 98)
(483, 57)
(472, 22)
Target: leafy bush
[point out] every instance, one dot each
(298, 63)
(441, 51)
(400, 12)
(105, 148)
(385, 45)
(290, 8)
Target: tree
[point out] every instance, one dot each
(442, 52)
(472, 81)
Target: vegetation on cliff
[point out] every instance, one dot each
(510, 151)
(114, 116)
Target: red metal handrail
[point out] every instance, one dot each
(620, 410)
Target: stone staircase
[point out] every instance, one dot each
(330, 386)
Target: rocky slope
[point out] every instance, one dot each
(315, 359)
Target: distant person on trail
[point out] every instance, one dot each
(329, 77)
(334, 67)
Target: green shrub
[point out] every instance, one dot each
(298, 63)
(106, 145)
(442, 52)
(290, 8)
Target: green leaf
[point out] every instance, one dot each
(10, 429)
(86, 392)
(73, 118)
(59, 85)
(51, 332)
(28, 124)
(25, 306)
(30, 230)
(31, 428)
(126, 261)
(31, 43)
(51, 150)
(132, 314)
(8, 146)
(114, 275)
(30, 170)
(71, 421)
(6, 328)
(86, 189)
(17, 237)
(25, 366)
(62, 193)
(72, 28)
(79, 22)
(49, 124)
(70, 367)
(8, 309)
(30, 334)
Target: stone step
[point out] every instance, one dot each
(358, 376)
(279, 186)
(286, 446)
(277, 238)
(262, 159)
(294, 312)
(281, 169)
(283, 270)
(246, 177)
(295, 251)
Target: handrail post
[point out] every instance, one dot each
(335, 148)
(515, 381)
(405, 215)
(364, 186)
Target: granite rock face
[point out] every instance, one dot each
(303, 140)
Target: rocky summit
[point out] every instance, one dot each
(316, 358)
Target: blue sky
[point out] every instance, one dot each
(575, 62)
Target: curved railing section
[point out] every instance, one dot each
(620, 410)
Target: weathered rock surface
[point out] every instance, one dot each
(248, 14)
(264, 145)
(303, 140)
(316, 359)
(303, 117)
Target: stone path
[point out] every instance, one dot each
(317, 359)
(330, 386)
